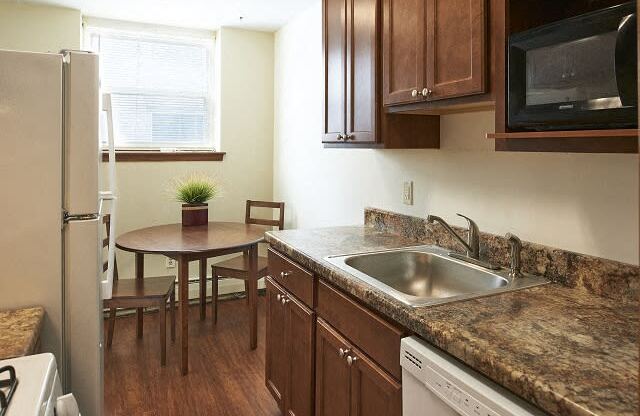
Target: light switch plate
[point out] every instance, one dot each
(170, 263)
(407, 193)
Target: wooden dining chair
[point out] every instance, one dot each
(141, 293)
(238, 267)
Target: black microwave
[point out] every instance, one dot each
(575, 74)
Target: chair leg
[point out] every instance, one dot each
(162, 310)
(172, 311)
(111, 327)
(214, 297)
(246, 291)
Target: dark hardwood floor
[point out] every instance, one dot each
(225, 377)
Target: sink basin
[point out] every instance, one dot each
(427, 275)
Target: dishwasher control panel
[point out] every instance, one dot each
(435, 383)
(461, 401)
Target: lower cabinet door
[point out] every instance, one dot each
(333, 377)
(299, 336)
(373, 391)
(276, 359)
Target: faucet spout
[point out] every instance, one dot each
(472, 246)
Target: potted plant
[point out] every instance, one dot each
(193, 191)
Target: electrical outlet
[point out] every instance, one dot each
(170, 263)
(407, 193)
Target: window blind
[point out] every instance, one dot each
(160, 88)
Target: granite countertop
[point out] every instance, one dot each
(565, 350)
(20, 331)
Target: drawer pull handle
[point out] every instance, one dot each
(343, 351)
(351, 360)
(284, 274)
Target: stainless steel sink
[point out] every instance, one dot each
(427, 275)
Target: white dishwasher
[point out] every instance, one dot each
(434, 384)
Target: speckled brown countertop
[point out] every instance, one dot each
(567, 351)
(20, 331)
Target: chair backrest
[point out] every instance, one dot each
(248, 219)
(106, 220)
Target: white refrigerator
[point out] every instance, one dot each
(50, 225)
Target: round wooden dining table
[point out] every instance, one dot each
(197, 243)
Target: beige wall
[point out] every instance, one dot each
(26, 27)
(244, 125)
(585, 203)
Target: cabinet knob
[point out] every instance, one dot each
(340, 136)
(414, 93)
(283, 300)
(348, 137)
(343, 351)
(351, 360)
(426, 92)
(278, 297)
(284, 274)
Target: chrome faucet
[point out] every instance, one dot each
(516, 249)
(472, 245)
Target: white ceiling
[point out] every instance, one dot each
(267, 15)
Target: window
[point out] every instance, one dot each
(160, 85)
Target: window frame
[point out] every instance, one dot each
(96, 26)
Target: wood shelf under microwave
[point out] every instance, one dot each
(583, 141)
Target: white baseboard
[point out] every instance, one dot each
(225, 286)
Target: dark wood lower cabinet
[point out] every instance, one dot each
(312, 367)
(373, 391)
(299, 336)
(275, 359)
(289, 352)
(348, 383)
(333, 377)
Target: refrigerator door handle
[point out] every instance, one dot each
(67, 217)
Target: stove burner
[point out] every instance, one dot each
(7, 388)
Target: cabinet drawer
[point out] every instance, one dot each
(376, 337)
(292, 277)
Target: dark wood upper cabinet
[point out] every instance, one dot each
(351, 59)
(353, 103)
(403, 50)
(334, 39)
(456, 53)
(362, 64)
(434, 50)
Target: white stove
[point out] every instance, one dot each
(36, 388)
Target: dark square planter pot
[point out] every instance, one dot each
(195, 214)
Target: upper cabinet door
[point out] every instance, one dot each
(456, 57)
(334, 39)
(362, 66)
(403, 50)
